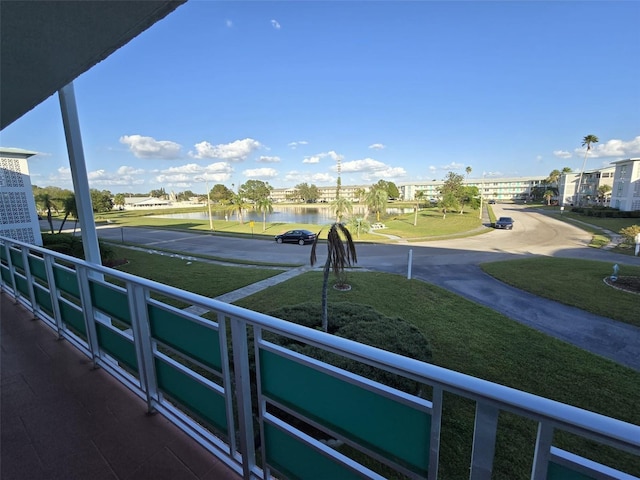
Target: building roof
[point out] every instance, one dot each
(45, 45)
(17, 151)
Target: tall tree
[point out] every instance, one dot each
(451, 193)
(389, 187)
(264, 205)
(220, 193)
(118, 200)
(464, 197)
(376, 200)
(307, 193)
(341, 206)
(253, 190)
(101, 200)
(587, 141)
(238, 205)
(47, 203)
(548, 195)
(70, 209)
(419, 197)
(340, 255)
(603, 192)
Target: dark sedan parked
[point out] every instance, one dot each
(296, 236)
(504, 222)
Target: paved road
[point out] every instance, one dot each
(453, 264)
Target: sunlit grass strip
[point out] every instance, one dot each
(573, 282)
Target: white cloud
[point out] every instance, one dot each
(377, 146)
(97, 175)
(316, 158)
(614, 148)
(228, 23)
(266, 159)
(452, 166)
(295, 177)
(234, 152)
(313, 159)
(260, 173)
(372, 169)
(188, 168)
(293, 145)
(149, 147)
(562, 154)
(178, 177)
(125, 170)
(218, 167)
(275, 24)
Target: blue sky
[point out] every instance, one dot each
(403, 91)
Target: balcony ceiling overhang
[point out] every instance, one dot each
(45, 45)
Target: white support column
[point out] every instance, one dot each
(79, 173)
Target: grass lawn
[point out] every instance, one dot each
(430, 224)
(475, 340)
(209, 280)
(464, 337)
(573, 282)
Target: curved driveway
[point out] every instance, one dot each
(453, 264)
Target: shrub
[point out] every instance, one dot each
(363, 324)
(629, 234)
(71, 245)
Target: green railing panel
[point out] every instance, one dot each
(72, 317)
(36, 266)
(117, 346)
(22, 285)
(66, 281)
(393, 429)
(190, 338)
(208, 404)
(296, 460)
(110, 301)
(561, 472)
(43, 299)
(3, 253)
(16, 258)
(6, 274)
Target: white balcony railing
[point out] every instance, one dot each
(262, 408)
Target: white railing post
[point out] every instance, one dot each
(243, 394)
(29, 279)
(542, 451)
(53, 294)
(484, 441)
(87, 311)
(137, 297)
(409, 264)
(436, 426)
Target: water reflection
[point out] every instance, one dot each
(281, 214)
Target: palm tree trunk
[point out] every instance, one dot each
(63, 220)
(264, 221)
(50, 220)
(415, 216)
(325, 288)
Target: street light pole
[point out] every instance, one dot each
(481, 195)
(209, 204)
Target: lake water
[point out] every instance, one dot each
(281, 214)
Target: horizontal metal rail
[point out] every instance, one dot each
(181, 365)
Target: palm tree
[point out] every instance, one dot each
(603, 191)
(548, 194)
(359, 194)
(340, 255)
(462, 200)
(47, 203)
(376, 199)
(70, 208)
(359, 224)
(341, 206)
(418, 196)
(237, 206)
(586, 141)
(264, 205)
(119, 200)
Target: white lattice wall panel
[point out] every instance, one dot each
(18, 215)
